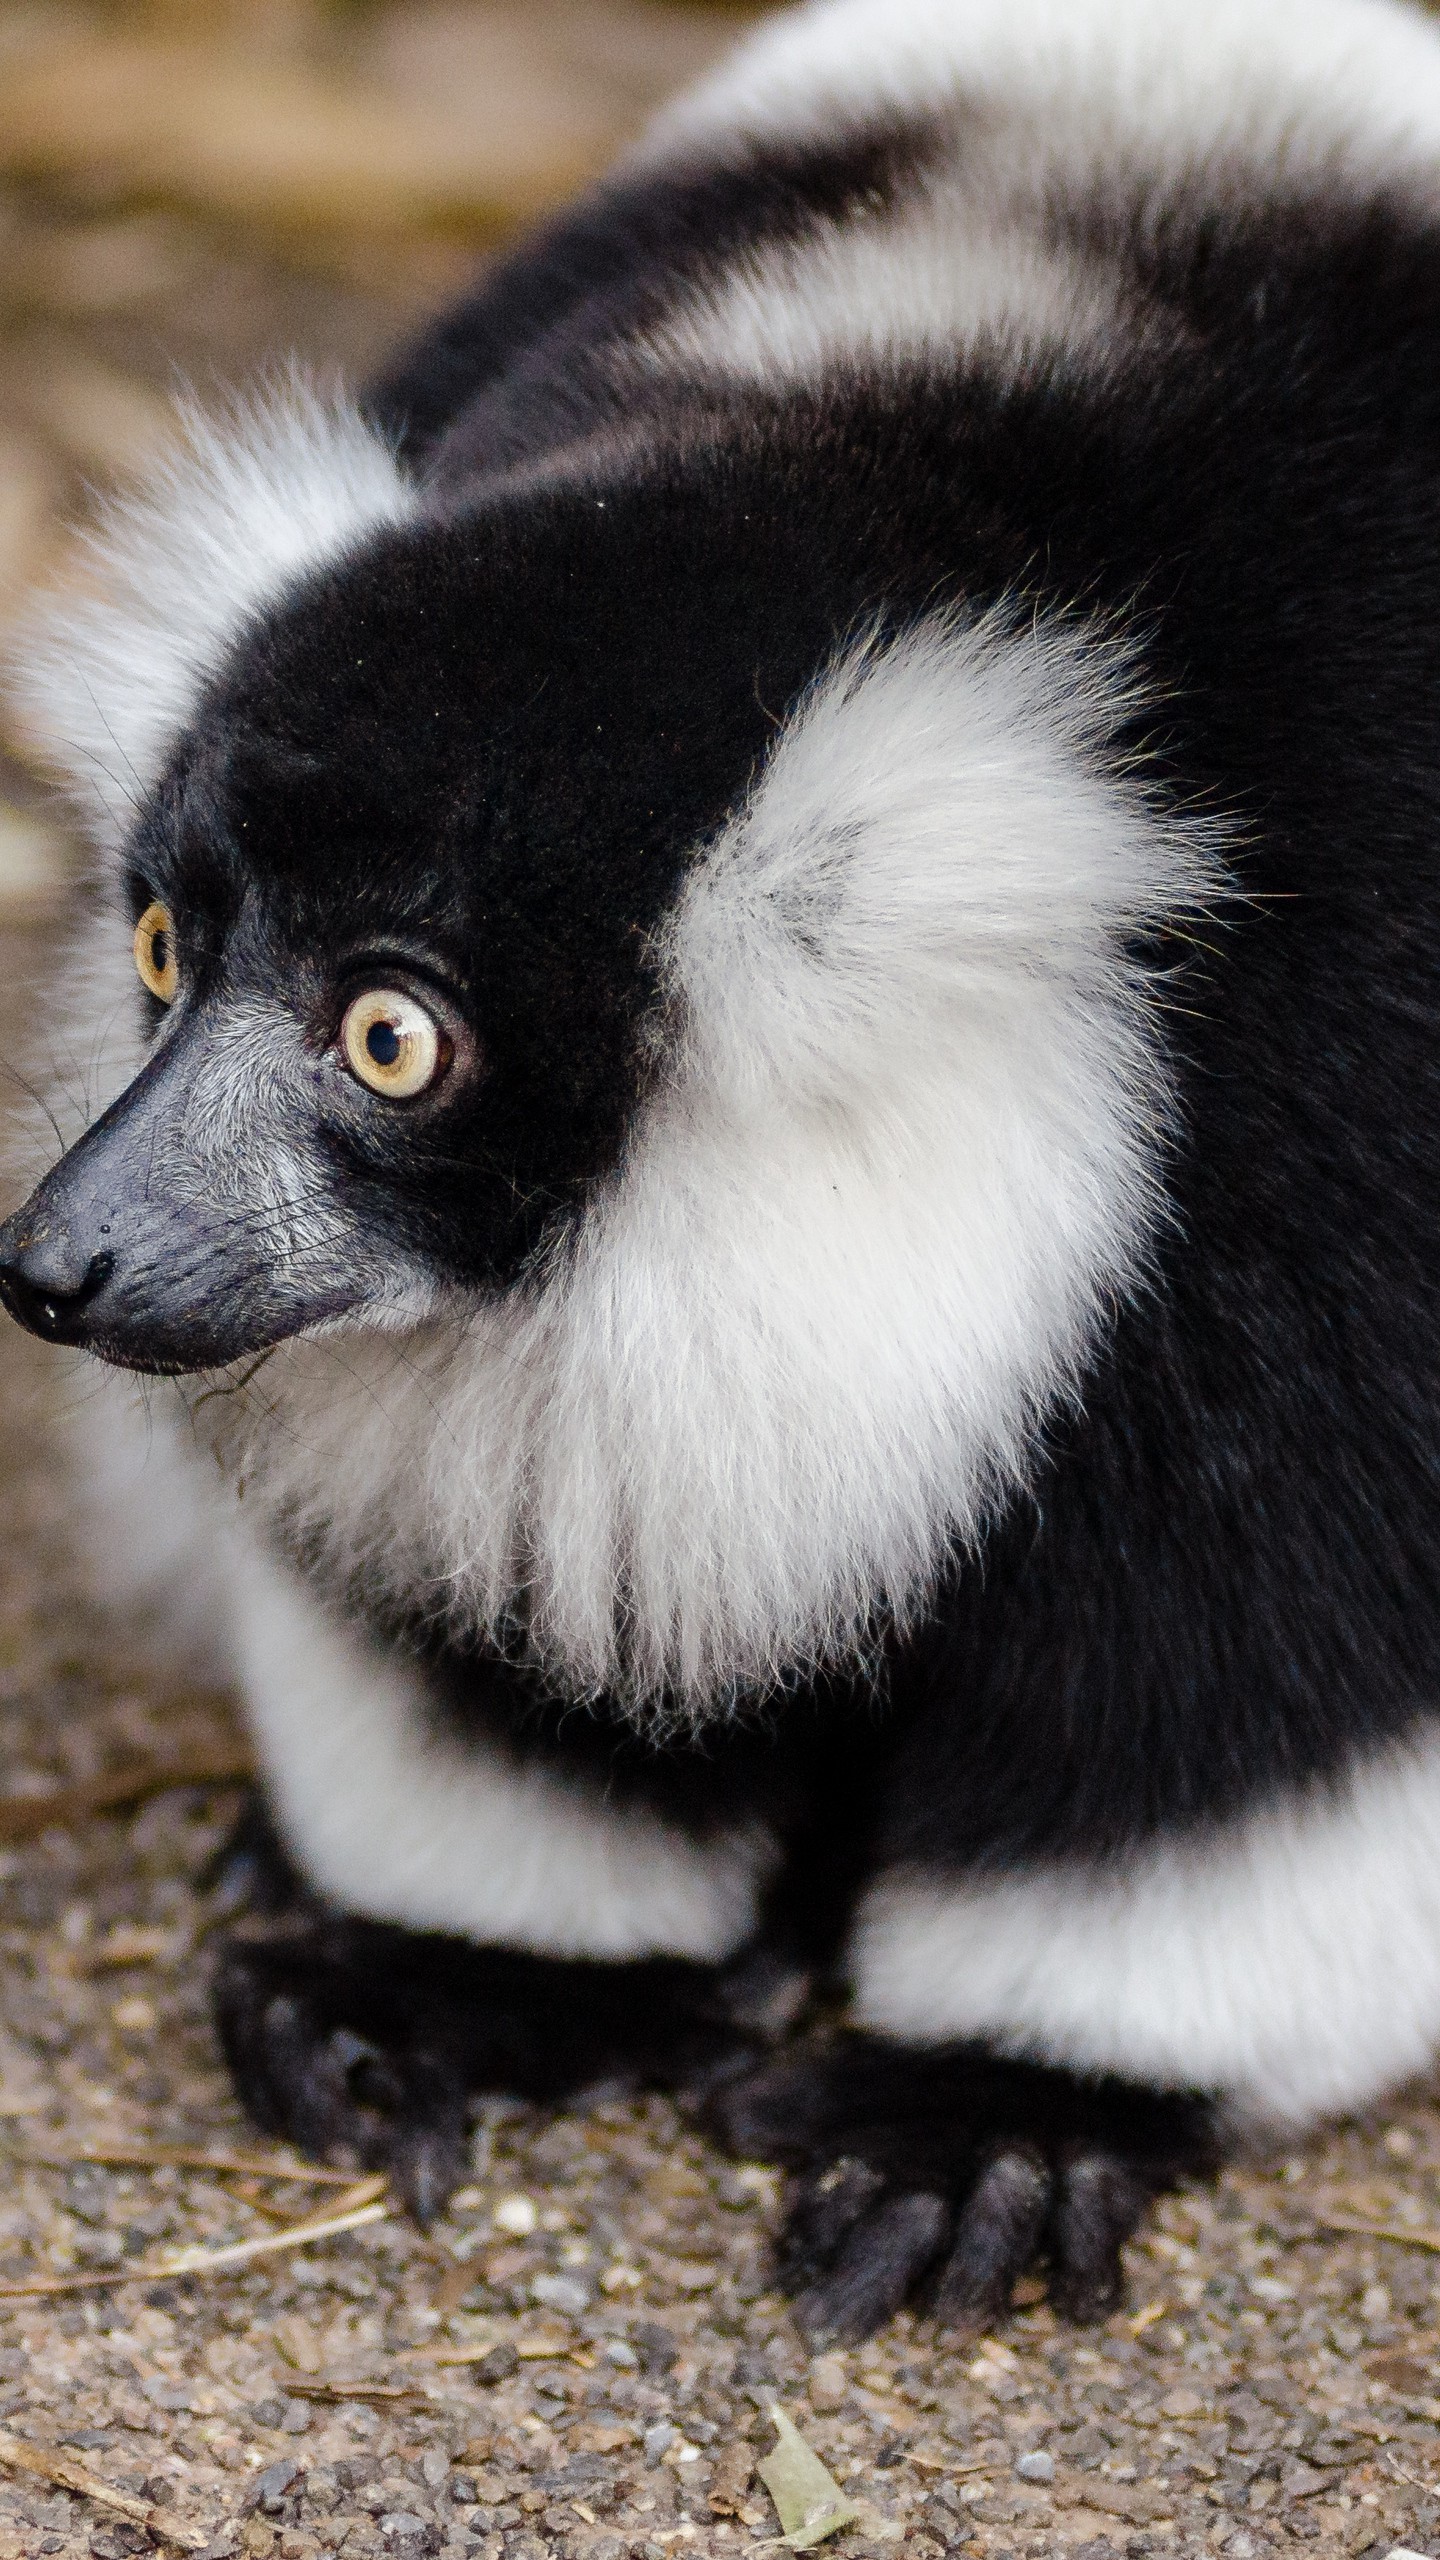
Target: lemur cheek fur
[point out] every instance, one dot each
(860, 1092)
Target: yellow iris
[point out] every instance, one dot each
(155, 954)
(391, 1044)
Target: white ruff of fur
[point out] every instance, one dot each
(902, 1154)
(106, 674)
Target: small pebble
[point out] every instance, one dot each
(561, 2293)
(1036, 2466)
(829, 2383)
(618, 2352)
(1183, 2403)
(268, 2487)
(657, 2347)
(517, 2215)
(658, 2439)
(298, 2343)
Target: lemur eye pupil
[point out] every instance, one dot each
(383, 1043)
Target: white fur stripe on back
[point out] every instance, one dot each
(937, 282)
(1337, 86)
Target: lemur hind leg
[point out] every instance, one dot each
(356, 2038)
(947, 2172)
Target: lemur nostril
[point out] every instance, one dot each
(41, 1289)
(101, 1266)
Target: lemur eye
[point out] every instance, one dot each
(155, 955)
(391, 1043)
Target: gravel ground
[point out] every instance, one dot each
(602, 2287)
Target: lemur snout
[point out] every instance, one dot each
(186, 1226)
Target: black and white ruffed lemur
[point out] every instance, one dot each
(787, 904)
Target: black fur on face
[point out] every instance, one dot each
(471, 765)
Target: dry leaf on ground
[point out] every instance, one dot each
(809, 2503)
(731, 2478)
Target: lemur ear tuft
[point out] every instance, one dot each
(106, 668)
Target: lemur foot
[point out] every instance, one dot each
(946, 2173)
(252, 1870)
(356, 2040)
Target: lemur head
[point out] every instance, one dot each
(398, 899)
(635, 940)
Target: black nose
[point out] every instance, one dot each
(48, 1279)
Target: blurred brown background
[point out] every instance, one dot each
(192, 189)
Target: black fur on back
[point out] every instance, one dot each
(496, 377)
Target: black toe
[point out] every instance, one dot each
(1099, 2201)
(878, 2265)
(242, 1997)
(998, 2233)
(823, 2211)
(427, 2168)
(303, 2074)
